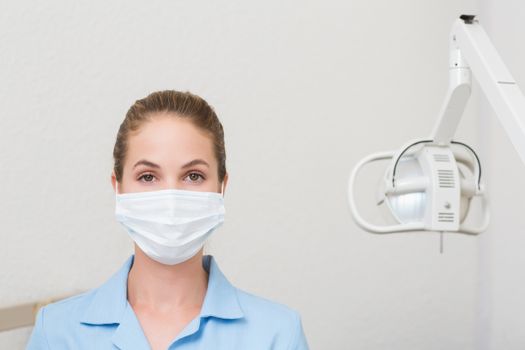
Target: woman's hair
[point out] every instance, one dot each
(180, 105)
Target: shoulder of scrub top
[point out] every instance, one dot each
(282, 321)
(68, 310)
(60, 316)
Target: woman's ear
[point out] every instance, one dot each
(113, 181)
(224, 183)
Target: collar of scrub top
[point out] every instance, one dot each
(109, 305)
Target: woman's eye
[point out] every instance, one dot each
(147, 177)
(195, 177)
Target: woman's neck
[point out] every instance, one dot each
(166, 287)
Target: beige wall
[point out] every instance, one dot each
(304, 88)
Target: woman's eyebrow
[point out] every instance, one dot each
(195, 162)
(146, 163)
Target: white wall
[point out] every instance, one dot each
(502, 282)
(304, 89)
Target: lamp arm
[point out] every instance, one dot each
(472, 51)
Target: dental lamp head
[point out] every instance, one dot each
(426, 187)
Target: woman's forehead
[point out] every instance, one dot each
(170, 140)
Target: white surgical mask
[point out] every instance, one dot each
(170, 226)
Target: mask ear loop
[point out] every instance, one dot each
(222, 189)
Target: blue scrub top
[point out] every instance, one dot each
(229, 319)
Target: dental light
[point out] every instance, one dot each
(430, 183)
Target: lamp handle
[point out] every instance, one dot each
(486, 219)
(353, 207)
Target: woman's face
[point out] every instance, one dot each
(169, 153)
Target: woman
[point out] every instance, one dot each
(169, 178)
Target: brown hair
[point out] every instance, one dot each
(181, 104)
